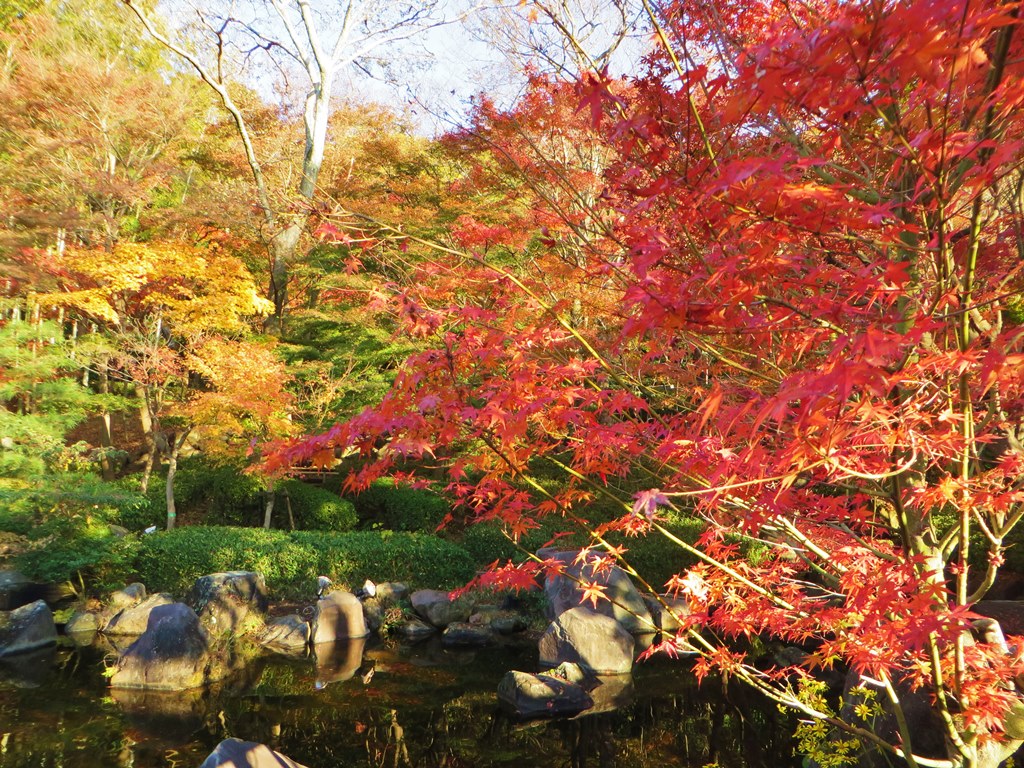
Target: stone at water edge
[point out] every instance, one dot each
(26, 629)
(232, 602)
(528, 696)
(287, 634)
(173, 654)
(134, 620)
(596, 642)
(623, 603)
(82, 622)
(415, 629)
(437, 608)
(460, 633)
(131, 595)
(338, 616)
(235, 753)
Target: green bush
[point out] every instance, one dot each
(171, 561)
(141, 511)
(657, 558)
(290, 562)
(400, 507)
(419, 560)
(217, 489)
(90, 554)
(486, 543)
(315, 509)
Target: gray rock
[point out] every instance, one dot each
(394, 591)
(26, 629)
(235, 753)
(173, 654)
(134, 620)
(230, 603)
(440, 610)
(596, 642)
(82, 622)
(462, 634)
(287, 634)
(338, 616)
(131, 595)
(624, 603)
(415, 629)
(529, 696)
(508, 623)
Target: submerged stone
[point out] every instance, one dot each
(525, 695)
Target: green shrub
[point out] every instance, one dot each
(486, 543)
(290, 562)
(400, 507)
(79, 548)
(657, 558)
(171, 561)
(419, 560)
(140, 511)
(218, 490)
(315, 509)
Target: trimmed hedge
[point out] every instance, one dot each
(315, 509)
(400, 507)
(653, 556)
(171, 561)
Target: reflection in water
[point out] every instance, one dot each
(422, 707)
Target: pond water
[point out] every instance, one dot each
(422, 706)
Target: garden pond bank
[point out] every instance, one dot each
(424, 705)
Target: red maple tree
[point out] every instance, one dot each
(810, 335)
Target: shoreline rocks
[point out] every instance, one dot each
(27, 628)
(174, 653)
(598, 643)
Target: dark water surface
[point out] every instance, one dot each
(423, 706)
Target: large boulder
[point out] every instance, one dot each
(26, 629)
(526, 696)
(231, 603)
(175, 653)
(596, 642)
(338, 616)
(135, 619)
(439, 609)
(563, 591)
(287, 634)
(235, 753)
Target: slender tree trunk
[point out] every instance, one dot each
(174, 444)
(106, 435)
(268, 510)
(282, 254)
(146, 422)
